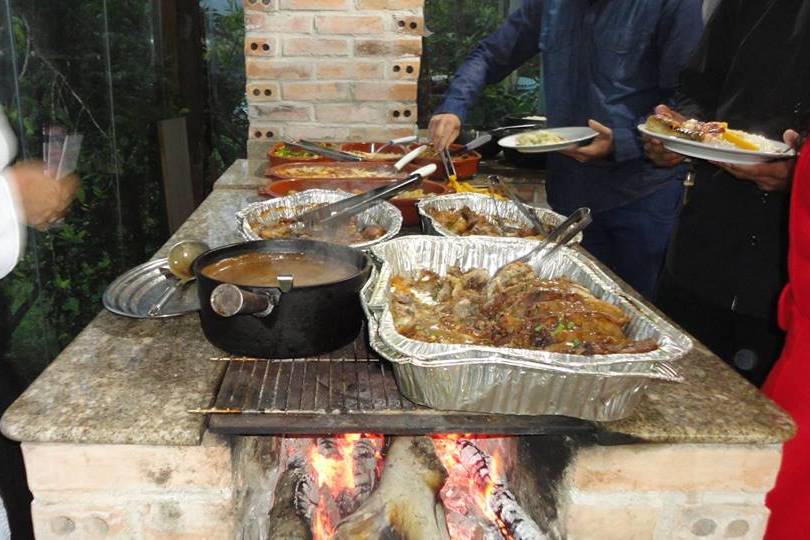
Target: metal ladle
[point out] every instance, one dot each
(181, 256)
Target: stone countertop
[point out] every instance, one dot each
(125, 381)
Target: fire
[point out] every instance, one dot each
(483, 474)
(333, 462)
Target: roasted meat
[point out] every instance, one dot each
(466, 222)
(518, 309)
(349, 232)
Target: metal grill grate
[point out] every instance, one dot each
(349, 390)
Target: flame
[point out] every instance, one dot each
(484, 483)
(335, 476)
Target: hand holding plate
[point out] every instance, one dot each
(600, 148)
(770, 176)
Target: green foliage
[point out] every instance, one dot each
(457, 26)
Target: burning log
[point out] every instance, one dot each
(499, 503)
(340, 473)
(284, 521)
(404, 505)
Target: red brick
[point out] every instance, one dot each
(260, 46)
(388, 47)
(390, 4)
(277, 69)
(263, 132)
(320, 132)
(263, 91)
(380, 133)
(261, 5)
(349, 24)
(315, 46)
(402, 113)
(406, 69)
(280, 113)
(300, 23)
(316, 4)
(354, 70)
(691, 468)
(349, 112)
(385, 91)
(314, 91)
(409, 24)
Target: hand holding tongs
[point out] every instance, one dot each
(315, 148)
(354, 205)
(527, 212)
(449, 167)
(561, 234)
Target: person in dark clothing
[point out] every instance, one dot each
(606, 64)
(727, 261)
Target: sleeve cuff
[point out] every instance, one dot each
(452, 108)
(626, 144)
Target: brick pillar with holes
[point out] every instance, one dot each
(332, 70)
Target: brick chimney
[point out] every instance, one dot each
(332, 70)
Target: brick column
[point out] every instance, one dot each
(332, 69)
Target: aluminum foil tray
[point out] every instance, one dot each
(384, 214)
(500, 210)
(515, 381)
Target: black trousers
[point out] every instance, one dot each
(751, 345)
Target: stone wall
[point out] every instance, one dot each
(332, 69)
(619, 492)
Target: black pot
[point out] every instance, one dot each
(267, 322)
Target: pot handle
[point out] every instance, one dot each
(229, 301)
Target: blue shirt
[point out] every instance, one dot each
(609, 60)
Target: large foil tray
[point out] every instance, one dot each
(497, 209)
(515, 381)
(384, 214)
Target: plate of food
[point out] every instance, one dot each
(713, 141)
(548, 140)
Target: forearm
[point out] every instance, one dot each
(494, 58)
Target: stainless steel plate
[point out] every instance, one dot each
(134, 293)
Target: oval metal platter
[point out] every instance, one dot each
(134, 292)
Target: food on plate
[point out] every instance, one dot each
(538, 138)
(518, 309)
(262, 269)
(330, 171)
(348, 232)
(431, 154)
(287, 151)
(465, 222)
(711, 133)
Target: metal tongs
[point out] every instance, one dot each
(401, 140)
(477, 142)
(315, 148)
(561, 234)
(354, 205)
(449, 167)
(527, 212)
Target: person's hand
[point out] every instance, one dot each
(44, 199)
(771, 176)
(600, 148)
(654, 148)
(444, 129)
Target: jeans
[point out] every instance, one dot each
(632, 239)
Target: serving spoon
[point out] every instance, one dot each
(180, 258)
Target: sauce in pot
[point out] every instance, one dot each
(262, 269)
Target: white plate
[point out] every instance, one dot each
(720, 154)
(573, 137)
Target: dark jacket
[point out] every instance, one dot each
(610, 60)
(751, 70)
